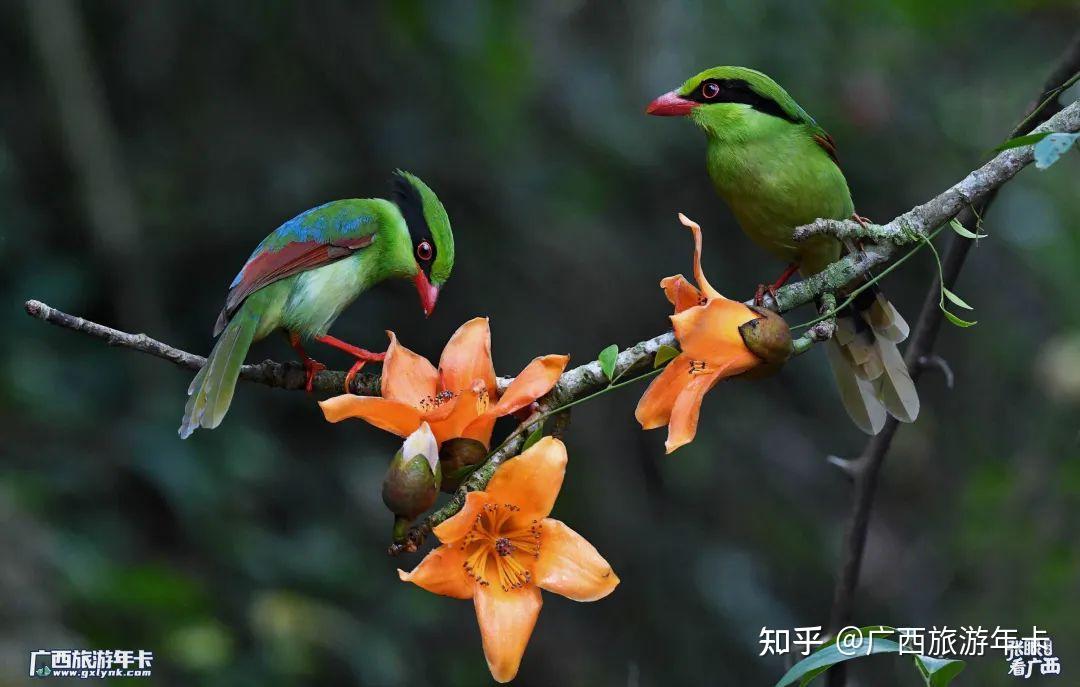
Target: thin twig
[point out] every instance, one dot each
(915, 224)
(867, 468)
(270, 373)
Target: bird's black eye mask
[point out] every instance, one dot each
(411, 204)
(711, 91)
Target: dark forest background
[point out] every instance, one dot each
(255, 554)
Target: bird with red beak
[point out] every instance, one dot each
(777, 169)
(303, 275)
(671, 104)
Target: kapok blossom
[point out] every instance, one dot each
(501, 549)
(707, 328)
(459, 399)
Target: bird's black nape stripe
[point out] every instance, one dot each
(739, 91)
(411, 205)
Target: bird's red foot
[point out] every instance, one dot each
(863, 221)
(351, 374)
(762, 289)
(312, 367)
(771, 289)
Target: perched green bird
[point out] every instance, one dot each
(304, 274)
(777, 169)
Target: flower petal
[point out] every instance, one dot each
(467, 357)
(464, 408)
(699, 275)
(532, 480)
(654, 408)
(710, 333)
(393, 416)
(407, 376)
(534, 381)
(681, 293)
(442, 572)
(570, 565)
(458, 525)
(506, 622)
(684, 415)
(481, 429)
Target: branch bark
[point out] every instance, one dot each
(867, 468)
(914, 224)
(281, 375)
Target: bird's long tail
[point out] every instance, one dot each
(869, 370)
(212, 389)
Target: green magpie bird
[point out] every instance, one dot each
(776, 169)
(304, 274)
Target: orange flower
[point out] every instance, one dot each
(460, 399)
(707, 328)
(501, 549)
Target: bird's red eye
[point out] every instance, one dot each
(424, 250)
(710, 90)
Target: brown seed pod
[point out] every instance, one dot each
(455, 456)
(768, 337)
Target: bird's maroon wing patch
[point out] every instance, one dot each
(270, 266)
(828, 145)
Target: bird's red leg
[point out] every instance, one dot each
(759, 295)
(362, 356)
(311, 366)
(863, 221)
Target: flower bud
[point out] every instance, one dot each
(412, 480)
(768, 337)
(456, 455)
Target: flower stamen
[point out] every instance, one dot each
(496, 537)
(430, 403)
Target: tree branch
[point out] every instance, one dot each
(581, 381)
(916, 223)
(281, 375)
(867, 467)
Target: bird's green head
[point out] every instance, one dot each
(726, 99)
(429, 231)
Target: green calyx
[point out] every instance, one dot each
(413, 478)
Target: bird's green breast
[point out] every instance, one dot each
(775, 177)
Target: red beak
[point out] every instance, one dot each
(670, 105)
(428, 293)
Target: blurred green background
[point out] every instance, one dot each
(255, 554)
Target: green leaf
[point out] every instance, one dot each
(938, 672)
(537, 434)
(964, 231)
(664, 354)
(829, 655)
(956, 299)
(956, 320)
(607, 359)
(1051, 148)
(812, 675)
(1019, 141)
